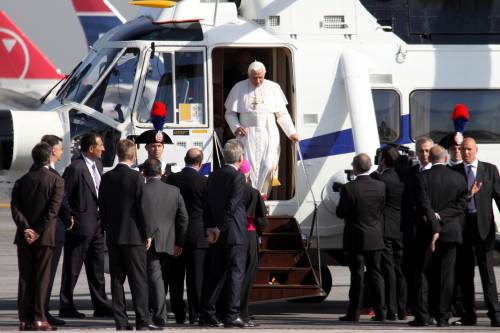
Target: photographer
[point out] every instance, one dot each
(391, 169)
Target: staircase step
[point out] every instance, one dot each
(282, 224)
(282, 258)
(281, 241)
(262, 293)
(283, 275)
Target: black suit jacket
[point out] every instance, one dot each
(442, 191)
(361, 205)
(165, 212)
(193, 187)
(487, 174)
(82, 196)
(64, 220)
(410, 200)
(36, 199)
(255, 208)
(120, 196)
(394, 188)
(225, 206)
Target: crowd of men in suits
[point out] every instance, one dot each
(419, 231)
(158, 229)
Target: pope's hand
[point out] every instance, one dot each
(294, 137)
(240, 131)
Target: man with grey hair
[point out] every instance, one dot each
(361, 205)
(409, 213)
(442, 198)
(226, 223)
(252, 109)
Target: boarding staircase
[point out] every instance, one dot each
(285, 270)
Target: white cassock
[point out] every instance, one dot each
(257, 109)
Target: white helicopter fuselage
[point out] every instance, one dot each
(342, 72)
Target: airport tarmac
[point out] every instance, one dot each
(272, 317)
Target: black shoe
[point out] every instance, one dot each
(391, 317)
(465, 321)
(250, 323)
(348, 318)
(54, 321)
(495, 323)
(443, 323)
(194, 320)
(149, 327)
(237, 322)
(103, 313)
(181, 321)
(402, 316)
(160, 323)
(71, 313)
(418, 323)
(378, 318)
(210, 323)
(124, 328)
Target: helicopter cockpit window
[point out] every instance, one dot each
(87, 75)
(387, 112)
(177, 79)
(112, 97)
(157, 87)
(81, 123)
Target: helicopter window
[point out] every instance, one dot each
(87, 75)
(387, 111)
(112, 97)
(81, 123)
(157, 87)
(430, 113)
(189, 83)
(181, 90)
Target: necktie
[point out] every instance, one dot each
(471, 205)
(97, 177)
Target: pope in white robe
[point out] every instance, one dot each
(253, 107)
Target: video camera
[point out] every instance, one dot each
(336, 186)
(406, 156)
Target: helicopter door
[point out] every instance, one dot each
(229, 66)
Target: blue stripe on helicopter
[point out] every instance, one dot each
(341, 142)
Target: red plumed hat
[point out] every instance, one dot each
(460, 111)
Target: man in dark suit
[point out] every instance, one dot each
(36, 199)
(256, 223)
(409, 214)
(85, 241)
(391, 175)
(442, 198)
(192, 186)
(64, 222)
(361, 205)
(165, 211)
(226, 222)
(483, 184)
(128, 237)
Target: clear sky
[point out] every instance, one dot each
(54, 27)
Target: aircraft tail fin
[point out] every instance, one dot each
(20, 58)
(96, 17)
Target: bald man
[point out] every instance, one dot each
(483, 183)
(252, 109)
(442, 196)
(361, 205)
(192, 186)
